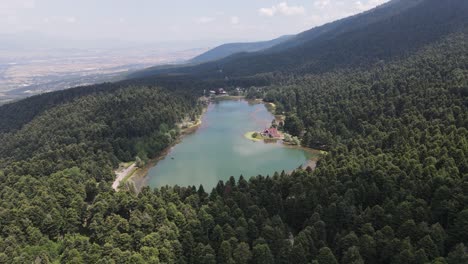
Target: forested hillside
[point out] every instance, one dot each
(349, 24)
(97, 131)
(225, 50)
(387, 33)
(393, 187)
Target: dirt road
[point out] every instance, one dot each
(121, 175)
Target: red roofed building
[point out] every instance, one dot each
(271, 132)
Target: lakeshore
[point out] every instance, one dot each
(135, 178)
(218, 149)
(214, 156)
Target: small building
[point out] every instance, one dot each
(212, 92)
(271, 133)
(221, 91)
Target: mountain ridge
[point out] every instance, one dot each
(228, 49)
(327, 50)
(390, 188)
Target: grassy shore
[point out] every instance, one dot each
(249, 135)
(271, 107)
(229, 97)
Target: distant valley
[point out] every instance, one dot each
(379, 100)
(23, 74)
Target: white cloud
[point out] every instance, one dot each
(235, 20)
(282, 9)
(267, 11)
(369, 4)
(326, 11)
(205, 20)
(321, 3)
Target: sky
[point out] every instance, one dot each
(152, 21)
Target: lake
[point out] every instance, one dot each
(218, 149)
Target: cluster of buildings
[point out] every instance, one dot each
(219, 91)
(272, 133)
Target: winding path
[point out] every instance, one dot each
(121, 175)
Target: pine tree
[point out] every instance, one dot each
(353, 256)
(326, 256)
(225, 253)
(262, 254)
(242, 254)
(429, 247)
(458, 255)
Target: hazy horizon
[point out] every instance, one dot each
(181, 23)
(48, 45)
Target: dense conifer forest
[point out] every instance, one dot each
(393, 187)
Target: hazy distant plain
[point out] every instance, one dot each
(28, 72)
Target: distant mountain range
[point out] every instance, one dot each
(226, 50)
(389, 31)
(381, 96)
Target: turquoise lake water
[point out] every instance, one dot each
(218, 149)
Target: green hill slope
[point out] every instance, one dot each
(392, 188)
(391, 31)
(226, 50)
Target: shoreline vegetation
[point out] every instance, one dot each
(312, 160)
(250, 136)
(135, 179)
(315, 154)
(229, 97)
